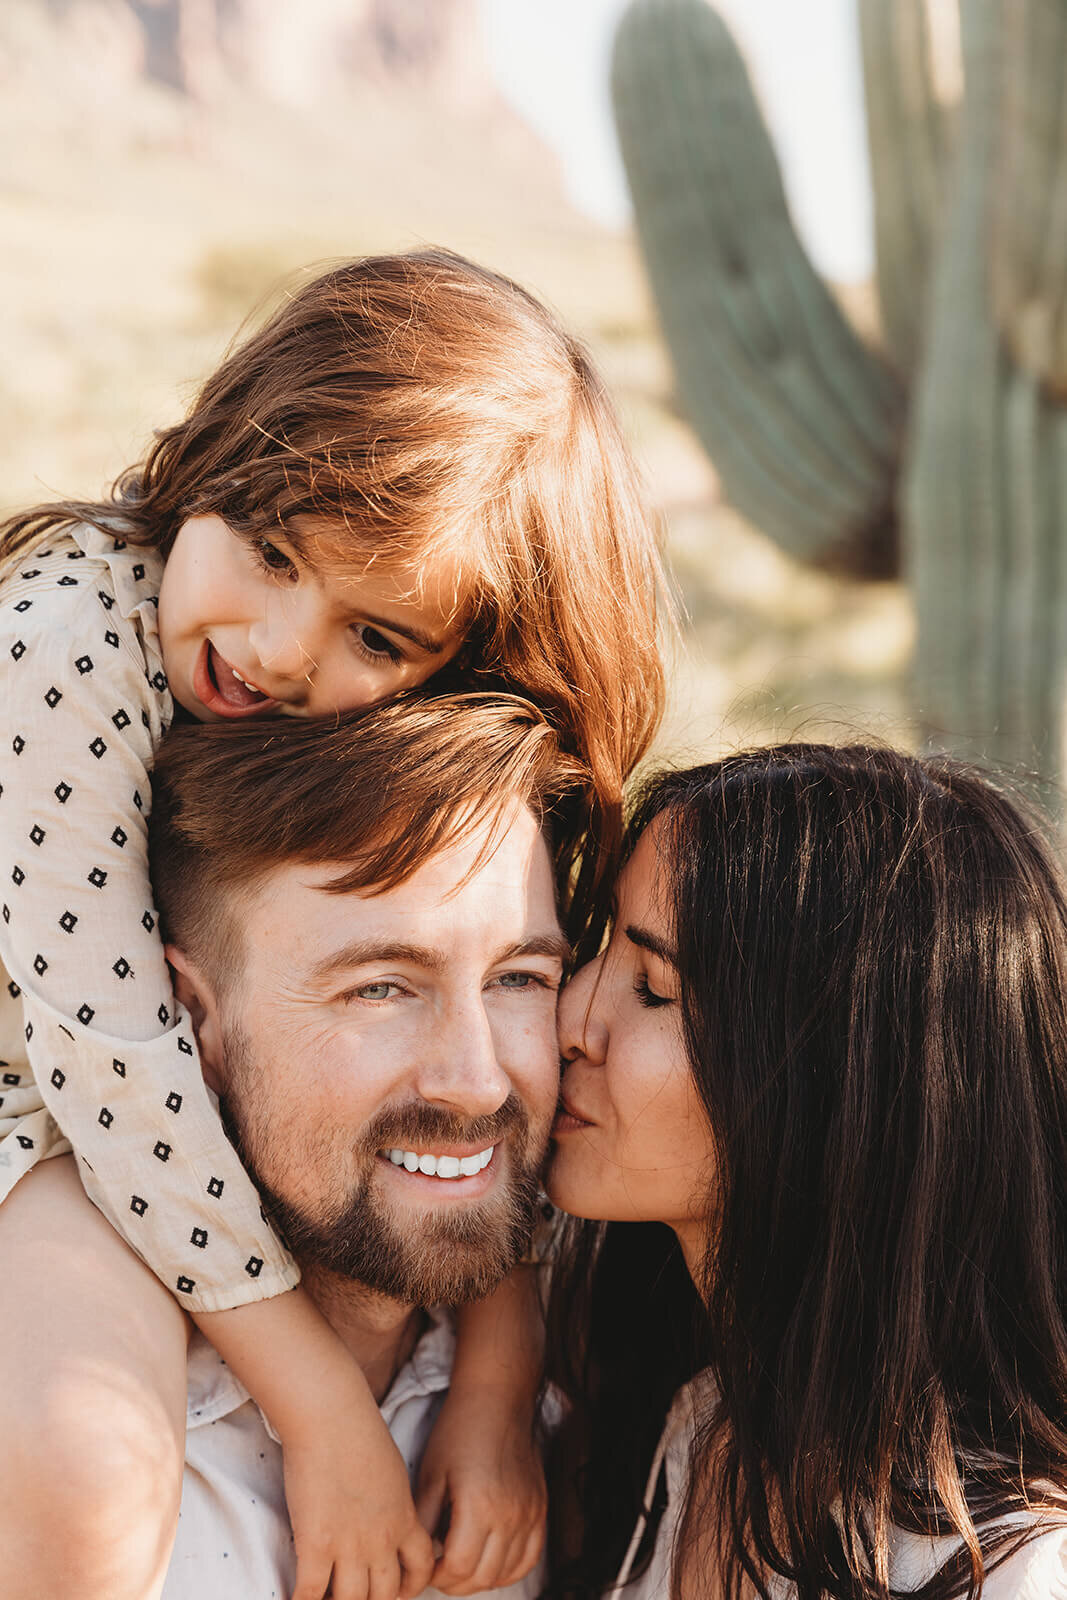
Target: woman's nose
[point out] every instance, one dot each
(582, 1030)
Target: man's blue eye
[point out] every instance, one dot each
(374, 991)
(517, 980)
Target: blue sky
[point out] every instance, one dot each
(551, 59)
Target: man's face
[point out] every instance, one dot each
(372, 1034)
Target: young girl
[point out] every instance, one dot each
(409, 468)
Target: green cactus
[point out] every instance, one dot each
(971, 230)
(1029, 205)
(800, 419)
(909, 133)
(985, 493)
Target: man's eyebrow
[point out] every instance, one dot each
(652, 943)
(555, 945)
(418, 636)
(362, 952)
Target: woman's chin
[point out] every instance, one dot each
(568, 1188)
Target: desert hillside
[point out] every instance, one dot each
(167, 163)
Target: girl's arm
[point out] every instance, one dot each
(482, 1462)
(116, 1062)
(346, 1484)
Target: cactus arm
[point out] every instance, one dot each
(1028, 231)
(909, 134)
(799, 418)
(986, 476)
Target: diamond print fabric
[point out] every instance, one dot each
(94, 1052)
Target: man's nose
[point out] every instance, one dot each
(582, 1030)
(463, 1071)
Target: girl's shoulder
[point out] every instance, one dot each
(82, 568)
(79, 558)
(83, 600)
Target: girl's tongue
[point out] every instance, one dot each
(233, 691)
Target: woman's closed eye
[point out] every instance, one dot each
(647, 996)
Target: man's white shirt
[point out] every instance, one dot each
(234, 1540)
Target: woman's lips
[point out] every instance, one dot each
(219, 691)
(567, 1119)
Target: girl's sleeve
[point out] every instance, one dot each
(114, 1058)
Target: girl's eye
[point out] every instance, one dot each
(274, 560)
(375, 645)
(648, 997)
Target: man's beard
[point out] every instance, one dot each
(459, 1253)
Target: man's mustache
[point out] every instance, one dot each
(413, 1126)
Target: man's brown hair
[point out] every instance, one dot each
(378, 791)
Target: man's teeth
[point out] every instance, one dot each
(441, 1166)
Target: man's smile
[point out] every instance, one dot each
(432, 1178)
(440, 1166)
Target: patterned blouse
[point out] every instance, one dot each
(95, 1053)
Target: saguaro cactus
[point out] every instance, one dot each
(986, 494)
(800, 418)
(971, 230)
(909, 133)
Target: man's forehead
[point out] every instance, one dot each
(498, 877)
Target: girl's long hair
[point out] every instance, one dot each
(414, 407)
(873, 961)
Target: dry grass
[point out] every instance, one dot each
(128, 267)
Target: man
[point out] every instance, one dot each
(363, 925)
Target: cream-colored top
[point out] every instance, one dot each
(93, 1047)
(234, 1540)
(1036, 1571)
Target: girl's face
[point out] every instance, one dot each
(246, 626)
(631, 1142)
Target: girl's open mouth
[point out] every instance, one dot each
(220, 688)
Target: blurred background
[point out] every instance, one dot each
(165, 163)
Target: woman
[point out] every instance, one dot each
(826, 1045)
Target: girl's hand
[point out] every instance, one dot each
(354, 1522)
(356, 1532)
(482, 1472)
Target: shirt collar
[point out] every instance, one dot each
(214, 1392)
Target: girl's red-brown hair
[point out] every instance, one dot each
(399, 408)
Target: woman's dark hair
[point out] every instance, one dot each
(872, 953)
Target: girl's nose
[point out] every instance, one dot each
(582, 1030)
(285, 641)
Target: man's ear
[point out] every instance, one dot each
(198, 997)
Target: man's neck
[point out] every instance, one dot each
(380, 1332)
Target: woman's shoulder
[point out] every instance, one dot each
(1036, 1569)
(1031, 1566)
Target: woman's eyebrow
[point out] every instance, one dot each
(652, 943)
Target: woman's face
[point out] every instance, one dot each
(631, 1142)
